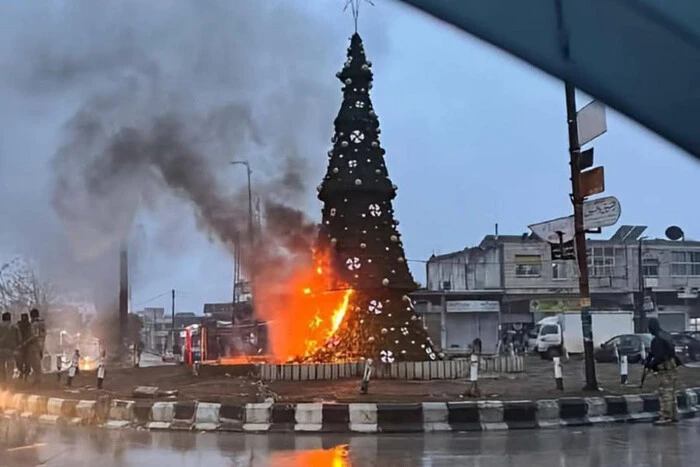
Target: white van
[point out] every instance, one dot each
(564, 330)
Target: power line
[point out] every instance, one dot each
(152, 299)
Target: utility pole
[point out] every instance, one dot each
(123, 295)
(577, 198)
(641, 318)
(172, 317)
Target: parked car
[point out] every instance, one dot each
(169, 357)
(687, 347)
(635, 346)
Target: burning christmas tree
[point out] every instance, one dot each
(359, 237)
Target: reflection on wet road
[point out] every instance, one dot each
(26, 444)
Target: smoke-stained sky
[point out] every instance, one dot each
(473, 137)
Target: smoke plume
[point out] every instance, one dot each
(125, 117)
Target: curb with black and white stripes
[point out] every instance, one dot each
(343, 418)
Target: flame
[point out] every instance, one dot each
(339, 314)
(304, 315)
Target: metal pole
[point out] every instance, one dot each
(641, 313)
(172, 317)
(250, 207)
(580, 238)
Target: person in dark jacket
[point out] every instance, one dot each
(663, 361)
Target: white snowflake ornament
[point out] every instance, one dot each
(375, 210)
(357, 137)
(353, 263)
(387, 356)
(375, 306)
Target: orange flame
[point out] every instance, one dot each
(303, 314)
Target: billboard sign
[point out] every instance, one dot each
(473, 306)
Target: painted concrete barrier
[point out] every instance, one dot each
(427, 417)
(431, 370)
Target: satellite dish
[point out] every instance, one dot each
(674, 233)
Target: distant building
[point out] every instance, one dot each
(239, 312)
(511, 280)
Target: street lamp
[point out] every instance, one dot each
(250, 199)
(250, 223)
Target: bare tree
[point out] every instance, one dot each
(21, 288)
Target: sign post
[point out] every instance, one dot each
(577, 198)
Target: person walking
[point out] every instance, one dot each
(663, 361)
(35, 348)
(9, 342)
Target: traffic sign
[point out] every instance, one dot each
(601, 212)
(592, 182)
(591, 122)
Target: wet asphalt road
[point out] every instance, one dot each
(26, 444)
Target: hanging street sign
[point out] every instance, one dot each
(563, 251)
(591, 122)
(592, 182)
(601, 212)
(597, 213)
(555, 231)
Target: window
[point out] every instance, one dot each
(615, 341)
(549, 329)
(695, 324)
(685, 263)
(560, 270)
(528, 265)
(650, 267)
(601, 261)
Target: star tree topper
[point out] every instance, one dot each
(355, 8)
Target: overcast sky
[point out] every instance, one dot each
(473, 136)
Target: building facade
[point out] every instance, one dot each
(511, 281)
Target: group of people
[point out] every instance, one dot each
(22, 346)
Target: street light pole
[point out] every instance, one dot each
(577, 200)
(251, 235)
(250, 200)
(641, 318)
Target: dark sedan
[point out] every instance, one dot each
(687, 346)
(632, 345)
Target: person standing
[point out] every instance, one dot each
(35, 349)
(24, 328)
(663, 361)
(9, 341)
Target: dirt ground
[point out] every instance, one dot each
(536, 383)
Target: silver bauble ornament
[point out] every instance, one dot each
(348, 81)
(358, 182)
(394, 238)
(384, 331)
(385, 282)
(363, 245)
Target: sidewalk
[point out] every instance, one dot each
(536, 383)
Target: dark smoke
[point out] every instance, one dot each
(155, 99)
